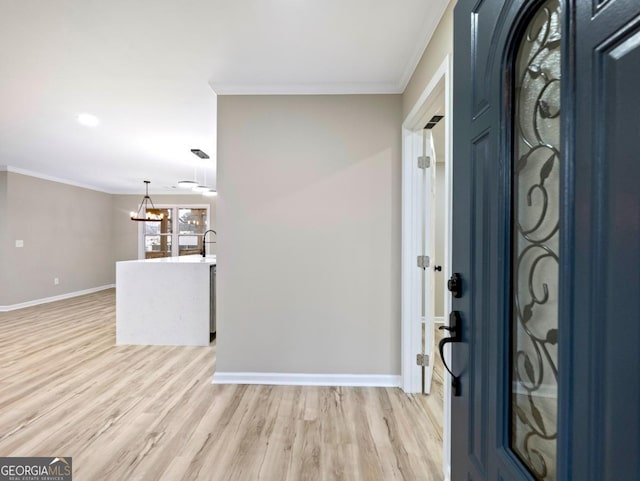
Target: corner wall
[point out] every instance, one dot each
(309, 234)
(440, 45)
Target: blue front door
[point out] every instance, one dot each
(546, 241)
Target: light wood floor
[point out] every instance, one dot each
(149, 413)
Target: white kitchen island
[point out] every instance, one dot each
(164, 301)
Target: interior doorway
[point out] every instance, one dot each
(434, 393)
(426, 253)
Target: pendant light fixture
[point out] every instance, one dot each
(201, 188)
(143, 214)
(188, 184)
(194, 185)
(204, 189)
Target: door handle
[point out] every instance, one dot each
(455, 328)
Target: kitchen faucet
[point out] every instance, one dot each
(204, 242)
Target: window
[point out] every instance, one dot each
(179, 233)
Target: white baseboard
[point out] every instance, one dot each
(45, 300)
(300, 379)
(438, 320)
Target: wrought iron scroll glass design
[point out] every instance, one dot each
(536, 167)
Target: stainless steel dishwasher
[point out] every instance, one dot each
(212, 299)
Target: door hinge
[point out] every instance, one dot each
(422, 360)
(424, 162)
(423, 261)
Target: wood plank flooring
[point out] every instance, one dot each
(145, 413)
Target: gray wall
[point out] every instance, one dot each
(309, 245)
(3, 235)
(71, 233)
(66, 232)
(125, 232)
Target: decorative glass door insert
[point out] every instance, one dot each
(535, 239)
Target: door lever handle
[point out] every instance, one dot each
(455, 328)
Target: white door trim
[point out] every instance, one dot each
(415, 120)
(411, 240)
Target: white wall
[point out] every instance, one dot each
(309, 234)
(440, 206)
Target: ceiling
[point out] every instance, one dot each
(149, 70)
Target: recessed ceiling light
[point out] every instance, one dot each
(88, 120)
(209, 193)
(200, 188)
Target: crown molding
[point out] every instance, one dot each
(60, 180)
(347, 88)
(428, 29)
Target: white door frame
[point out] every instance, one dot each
(411, 332)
